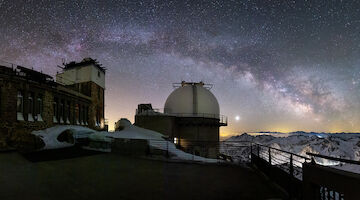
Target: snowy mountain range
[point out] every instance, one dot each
(341, 145)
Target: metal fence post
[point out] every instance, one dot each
(291, 165)
(269, 156)
(251, 152)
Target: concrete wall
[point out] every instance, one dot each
(196, 135)
(162, 124)
(199, 136)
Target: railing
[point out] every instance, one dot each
(161, 112)
(289, 162)
(7, 64)
(342, 160)
(330, 182)
(27, 73)
(303, 178)
(282, 167)
(189, 150)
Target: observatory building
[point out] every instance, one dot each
(191, 118)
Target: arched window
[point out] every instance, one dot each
(97, 121)
(39, 108)
(67, 112)
(55, 108)
(61, 111)
(31, 107)
(86, 115)
(20, 106)
(77, 114)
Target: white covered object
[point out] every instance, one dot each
(50, 135)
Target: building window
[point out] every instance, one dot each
(67, 112)
(86, 115)
(61, 111)
(20, 106)
(97, 121)
(39, 107)
(31, 107)
(55, 111)
(77, 114)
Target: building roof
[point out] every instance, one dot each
(192, 99)
(23, 72)
(84, 62)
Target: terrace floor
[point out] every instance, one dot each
(110, 176)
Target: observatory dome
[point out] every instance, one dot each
(192, 99)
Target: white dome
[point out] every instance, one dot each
(192, 99)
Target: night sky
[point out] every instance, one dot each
(275, 65)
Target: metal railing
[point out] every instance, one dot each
(342, 160)
(7, 64)
(288, 162)
(27, 73)
(161, 112)
(191, 150)
(329, 189)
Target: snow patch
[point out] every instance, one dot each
(50, 135)
(155, 140)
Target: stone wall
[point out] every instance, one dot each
(97, 106)
(15, 132)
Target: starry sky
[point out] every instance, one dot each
(275, 65)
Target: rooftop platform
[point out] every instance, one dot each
(111, 176)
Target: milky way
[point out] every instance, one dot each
(278, 65)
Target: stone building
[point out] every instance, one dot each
(87, 77)
(31, 100)
(191, 118)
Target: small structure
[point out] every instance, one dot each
(191, 118)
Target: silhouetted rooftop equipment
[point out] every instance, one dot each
(27, 73)
(85, 61)
(184, 83)
(34, 75)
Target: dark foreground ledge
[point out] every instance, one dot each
(110, 176)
